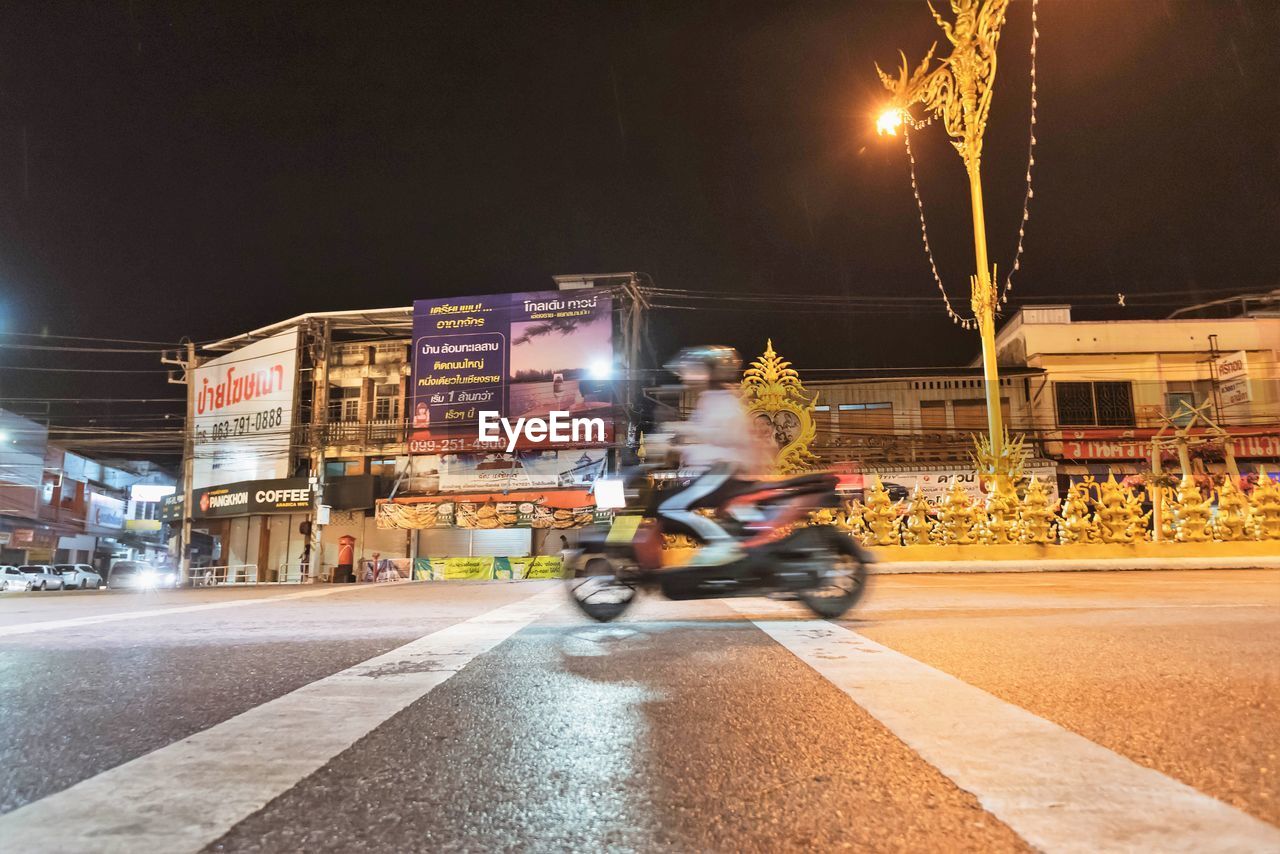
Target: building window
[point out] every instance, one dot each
(971, 413)
(1085, 404)
(1189, 393)
(933, 415)
(344, 403)
(866, 416)
(386, 402)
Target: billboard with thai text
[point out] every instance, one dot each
(242, 412)
(521, 355)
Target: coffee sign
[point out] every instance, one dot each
(284, 495)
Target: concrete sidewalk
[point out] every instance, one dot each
(1100, 564)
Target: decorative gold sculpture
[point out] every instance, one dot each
(956, 517)
(1076, 524)
(1266, 508)
(881, 515)
(918, 525)
(1000, 522)
(1035, 517)
(1191, 513)
(999, 468)
(1232, 523)
(779, 404)
(1119, 516)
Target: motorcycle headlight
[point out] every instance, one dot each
(611, 493)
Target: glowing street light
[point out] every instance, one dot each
(889, 121)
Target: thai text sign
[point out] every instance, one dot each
(1233, 378)
(242, 412)
(517, 355)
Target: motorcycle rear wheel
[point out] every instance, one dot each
(598, 591)
(845, 580)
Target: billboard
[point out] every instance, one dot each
(243, 412)
(557, 469)
(520, 355)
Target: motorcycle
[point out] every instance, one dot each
(819, 565)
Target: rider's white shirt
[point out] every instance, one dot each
(719, 431)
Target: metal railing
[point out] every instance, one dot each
(375, 432)
(211, 576)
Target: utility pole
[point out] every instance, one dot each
(185, 362)
(319, 430)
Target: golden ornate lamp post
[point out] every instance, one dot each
(958, 92)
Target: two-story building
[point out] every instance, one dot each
(1104, 388)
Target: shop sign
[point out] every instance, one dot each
(5, 537)
(523, 470)
(171, 508)
(521, 355)
(243, 412)
(1232, 372)
(935, 483)
(142, 526)
(106, 512)
(284, 495)
(487, 568)
(1136, 444)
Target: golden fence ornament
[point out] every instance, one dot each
(1076, 524)
(1036, 515)
(780, 405)
(881, 516)
(957, 518)
(1191, 512)
(1232, 522)
(1000, 521)
(1265, 501)
(1119, 516)
(918, 525)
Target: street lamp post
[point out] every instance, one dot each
(958, 92)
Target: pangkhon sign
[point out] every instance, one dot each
(284, 495)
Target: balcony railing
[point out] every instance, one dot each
(376, 432)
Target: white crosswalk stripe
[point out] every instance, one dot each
(182, 797)
(1056, 789)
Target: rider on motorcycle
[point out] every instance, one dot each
(717, 441)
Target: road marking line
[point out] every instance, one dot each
(184, 796)
(1056, 789)
(28, 628)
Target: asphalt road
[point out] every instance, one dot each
(1074, 711)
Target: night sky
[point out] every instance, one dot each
(183, 169)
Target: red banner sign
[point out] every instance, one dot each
(1135, 444)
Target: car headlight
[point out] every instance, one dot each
(149, 578)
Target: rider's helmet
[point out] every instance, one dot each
(708, 364)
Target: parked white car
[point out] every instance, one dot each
(79, 575)
(43, 576)
(12, 578)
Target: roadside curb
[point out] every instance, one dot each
(1079, 565)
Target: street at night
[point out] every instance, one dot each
(1053, 711)
(639, 427)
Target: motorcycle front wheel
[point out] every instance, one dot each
(598, 591)
(844, 579)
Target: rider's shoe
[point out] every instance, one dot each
(718, 554)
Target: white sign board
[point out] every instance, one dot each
(935, 483)
(1233, 379)
(243, 412)
(105, 511)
